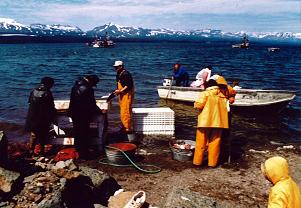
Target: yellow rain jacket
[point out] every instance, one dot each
(229, 92)
(213, 106)
(285, 193)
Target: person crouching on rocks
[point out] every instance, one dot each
(212, 119)
(285, 193)
(41, 113)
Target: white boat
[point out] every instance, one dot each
(105, 43)
(246, 100)
(241, 45)
(273, 49)
(244, 43)
(102, 44)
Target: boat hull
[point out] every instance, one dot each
(240, 46)
(246, 100)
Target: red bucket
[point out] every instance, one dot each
(116, 156)
(124, 146)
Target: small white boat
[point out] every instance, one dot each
(246, 100)
(244, 43)
(102, 44)
(241, 45)
(273, 49)
(95, 45)
(105, 43)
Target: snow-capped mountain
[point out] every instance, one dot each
(118, 31)
(10, 27)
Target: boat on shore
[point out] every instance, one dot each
(244, 43)
(246, 100)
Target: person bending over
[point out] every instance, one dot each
(180, 75)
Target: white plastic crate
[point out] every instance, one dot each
(156, 121)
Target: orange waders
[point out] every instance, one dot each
(212, 137)
(125, 103)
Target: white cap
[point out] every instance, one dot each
(118, 63)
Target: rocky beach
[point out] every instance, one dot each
(42, 182)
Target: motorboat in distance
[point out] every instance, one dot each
(99, 43)
(273, 49)
(244, 43)
(102, 44)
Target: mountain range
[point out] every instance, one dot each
(11, 30)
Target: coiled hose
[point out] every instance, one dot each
(106, 162)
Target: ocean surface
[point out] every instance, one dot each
(23, 65)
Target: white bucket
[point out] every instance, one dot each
(131, 137)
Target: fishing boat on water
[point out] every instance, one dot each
(99, 43)
(246, 100)
(273, 49)
(244, 43)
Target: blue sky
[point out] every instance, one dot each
(227, 15)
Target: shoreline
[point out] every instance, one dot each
(238, 184)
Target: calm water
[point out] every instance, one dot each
(22, 66)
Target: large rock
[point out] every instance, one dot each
(8, 179)
(90, 188)
(61, 185)
(105, 186)
(43, 190)
(97, 176)
(3, 149)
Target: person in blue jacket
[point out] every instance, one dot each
(180, 75)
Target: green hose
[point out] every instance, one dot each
(105, 162)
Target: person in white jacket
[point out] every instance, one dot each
(202, 77)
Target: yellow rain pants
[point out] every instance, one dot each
(125, 103)
(212, 138)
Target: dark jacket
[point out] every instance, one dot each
(82, 101)
(125, 78)
(41, 111)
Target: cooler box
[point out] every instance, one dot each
(154, 121)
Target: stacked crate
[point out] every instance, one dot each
(154, 121)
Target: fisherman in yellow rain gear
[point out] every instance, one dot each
(212, 119)
(125, 90)
(285, 193)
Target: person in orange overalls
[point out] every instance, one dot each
(125, 90)
(212, 119)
